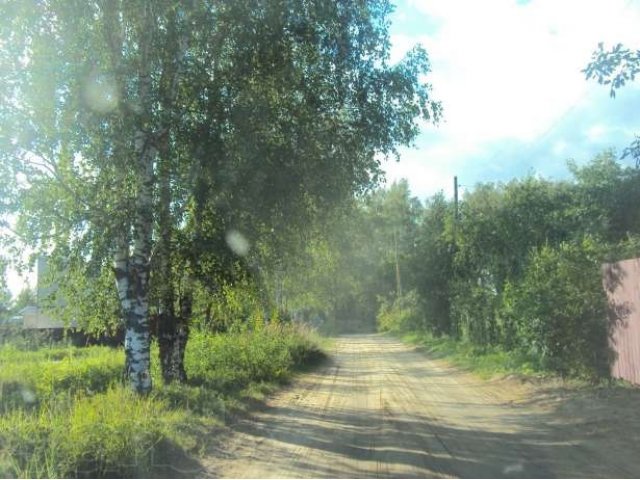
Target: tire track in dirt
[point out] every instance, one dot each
(381, 409)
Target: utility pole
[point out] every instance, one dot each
(455, 196)
(455, 207)
(395, 247)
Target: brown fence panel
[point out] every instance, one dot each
(622, 283)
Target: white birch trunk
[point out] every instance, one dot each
(137, 333)
(132, 273)
(133, 256)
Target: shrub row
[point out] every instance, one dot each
(555, 312)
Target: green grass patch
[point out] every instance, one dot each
(486, 362)
(65, 413)
(114, 433)
(29, 378)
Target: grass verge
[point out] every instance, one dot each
(65, 413)
(485, 362)
(492, 362)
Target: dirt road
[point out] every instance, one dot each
(381, 409)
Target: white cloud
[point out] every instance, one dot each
(424, 178)
(506, 71)
(596, 132)
(429, 169)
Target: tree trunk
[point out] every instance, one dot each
(133, 250)
(137, 334)
(173, 336)
(395, 250)
(131, 266)
(131, 292)
(172, 329)
(175, 333)
(165, 275)
(166, 341)
(182, 335)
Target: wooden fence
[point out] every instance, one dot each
(622, 283)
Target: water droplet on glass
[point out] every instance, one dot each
(28, 396)
(237, 242)
(101, 93)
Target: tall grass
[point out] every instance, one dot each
(106, 434)
(65, 413)
(486, 362)
(28, 378)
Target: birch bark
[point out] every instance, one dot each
(134, 243)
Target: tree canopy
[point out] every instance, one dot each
(138, 136)
(616, 67)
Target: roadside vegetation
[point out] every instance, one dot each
(65, 412)
(510, 281)
(515, 276)
(485, 362)
(207, 175)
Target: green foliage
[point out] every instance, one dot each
(26, 297)
(486, 361)
(114, 433)
(84, 295)
(240, 117)
(473, 310)
(613, 67)
(559, 309)
(517, 273)
(401, 314)
(607, 195)
(498, 226)
(361, 252)
(628, 247)
(236, 306)
(5, 294)
(64, 411)
(431, 266)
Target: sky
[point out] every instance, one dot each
(508, 74)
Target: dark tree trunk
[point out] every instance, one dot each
(166, 340)
(173, 334)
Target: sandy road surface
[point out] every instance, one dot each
(381, 409)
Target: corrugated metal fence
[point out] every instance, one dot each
(622, 283)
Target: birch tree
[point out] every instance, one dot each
(137, 134)
(90, 98)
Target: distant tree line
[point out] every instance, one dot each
(517, 267)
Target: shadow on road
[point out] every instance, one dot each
(462, 428)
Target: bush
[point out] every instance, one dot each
(473, 312)
(402, 315)
(558, 310)
(230, 361)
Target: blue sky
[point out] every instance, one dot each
(508, 75)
